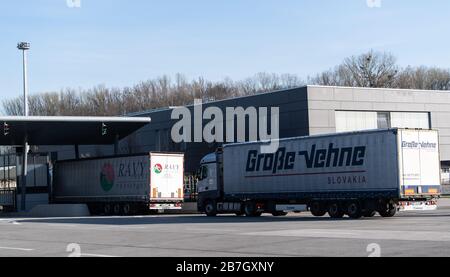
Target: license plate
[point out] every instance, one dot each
(165, 207)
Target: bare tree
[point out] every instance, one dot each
(372, 69)
(424, 78)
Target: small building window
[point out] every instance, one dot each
(411, 120)
(349, 121)
(384, 120)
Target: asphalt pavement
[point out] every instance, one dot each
(407, 234)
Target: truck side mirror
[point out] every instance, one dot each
(198, 174)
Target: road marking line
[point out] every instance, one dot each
(98, 255)
(16, 249)
(63, 225)
(360, 234)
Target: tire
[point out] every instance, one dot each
(126, 209)
(335, 210)
(279, 214)
(354, 210)
(107, 209)
(388, 210)
(250, 210)
(317, 209)
(211, 208)
(117, 209)
(369, 213)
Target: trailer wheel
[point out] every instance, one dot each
(354, 210)
(211, 208)
(388, 210)
(117, 209)
(107, 209)
(335, 210)
(317, 209)
(126, 209)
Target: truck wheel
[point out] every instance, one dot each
(250, 210)
(317, 209)
(279, 213)
(389, 211)
(335, 210)
(354, 210)
(211, 208)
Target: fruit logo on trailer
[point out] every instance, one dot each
(107, 177)
(158, 168)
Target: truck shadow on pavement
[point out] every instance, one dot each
(199, 219)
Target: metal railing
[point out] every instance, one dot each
(8, 171)
(8, 199)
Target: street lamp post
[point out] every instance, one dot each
(24, 47)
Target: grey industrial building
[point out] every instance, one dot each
(304, 111)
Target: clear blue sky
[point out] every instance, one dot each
(120, 42)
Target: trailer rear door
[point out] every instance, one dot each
(419, 163)
(167, 177)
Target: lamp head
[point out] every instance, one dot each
(23, 46)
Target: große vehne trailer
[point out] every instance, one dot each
(356, 174)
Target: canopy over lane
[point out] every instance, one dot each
(67, 130)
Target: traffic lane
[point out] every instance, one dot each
(229, 236)
(233, 245)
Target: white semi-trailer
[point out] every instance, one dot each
(355, 174)
(121, 185)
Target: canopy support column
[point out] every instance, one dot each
(24, 175)
(77, 152)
